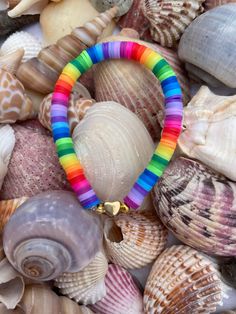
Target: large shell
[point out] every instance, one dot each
(11, 62)
(210, 131)
(114, 147)
(141, 93)
(25, 7)
(123, 5)
(213, 54)
(49, 227)
(182, 280)
(169, 18)
(86, 286)
(210, 4)
(134, 240)
(122, 297)
(198, 206)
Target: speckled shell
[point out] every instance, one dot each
(134, 240)
(213, 54)
(210, 4)
(11, 61)
(103, 5)
(25, 7)
(169, 18)
(198, 206)
(86, 286)
(123, 296)
(210, 131)
(182, 281)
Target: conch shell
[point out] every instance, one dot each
(27, 7)
(11, 62)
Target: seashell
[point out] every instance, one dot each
(183, 279)
(228, 271)
(41, 73)
(229, 312)
(9, 25)
(85, 310)
(134, 240)
(7, 143)
(123, 296)
(210, 4)
(141, 93)
(168, 19)
(123, 5)
(34, 166)
(23, 40)
(12, 3)
(48, 236)
(25, 7)
(198, 206)
(208, 52)
(86, 286)
(210, 131)
(11, 62)
(4, 310)
(115, 140)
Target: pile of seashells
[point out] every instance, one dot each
(177, 253)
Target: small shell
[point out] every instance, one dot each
(198, 206)
(169, 19)
(134, 240)
(86, 286)
(123, 5)
(23, 40)
(210, 4)
(28, 7)
(11, 62)
(183, 279)
(123, 296)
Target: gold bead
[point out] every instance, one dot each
(112, 208)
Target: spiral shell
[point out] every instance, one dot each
(123, 5)
(134, 240)
(11, 62)
(183, 279)
(210, 4)
(24, 7)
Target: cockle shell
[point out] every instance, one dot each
(210, 4)
(198, 206)
(114, 147)
(199, 45)
(182, 281)
(86, 286)
(169, 18)
(41, 73)
(11, 62)
(134, 240)
(210, 131)
(23, 40)
(25, 7)
(103, 5)
(141, 93)
(122, 297)
(49, 227)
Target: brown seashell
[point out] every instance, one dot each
(210, 4)
(41, 73)
(11, 62)
(182, 281)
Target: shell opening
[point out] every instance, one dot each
(113, 232)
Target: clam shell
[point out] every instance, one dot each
(115, 140)
(25, 7)
(123, 5)
(198, 206)
(183, 279)
(11, 62)
(134, 240)
(199, 45)
(168, 19)
(123, 296)
(210, 4)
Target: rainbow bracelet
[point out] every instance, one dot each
(170, 132)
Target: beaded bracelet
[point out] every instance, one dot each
(170, 133)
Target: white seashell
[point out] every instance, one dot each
(23, 40)
(28, 7)
(210, 131)
(10, 62)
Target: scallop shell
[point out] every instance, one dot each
(25, 7)
(11, 62)
(123, 5)
(86, 286)
(23, 40)
(115, 140)
(134, 240)
(199, 45)
(182, 280)
(198, 206)
(210, 131)
(210, 4)
(123, 296)
(168, 19)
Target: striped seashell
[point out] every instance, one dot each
(11, 61)
(182, 281)
(122, 297)
(103, 5)
(198, 206)
(86, 286)
(168, 19)
(210, 4)
(134, 240)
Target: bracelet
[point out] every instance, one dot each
(170, 133)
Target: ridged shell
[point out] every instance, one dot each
(182, 281)
(11, 62)
(168, 19)
(86, 286)
(123, 5)
(198, 206)
(140, 93)
(25, 7)
(114, 147)
(213, 54)
(210, 131)
(23, 40)
(123, 296)
(134, 240)
(210, 4)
